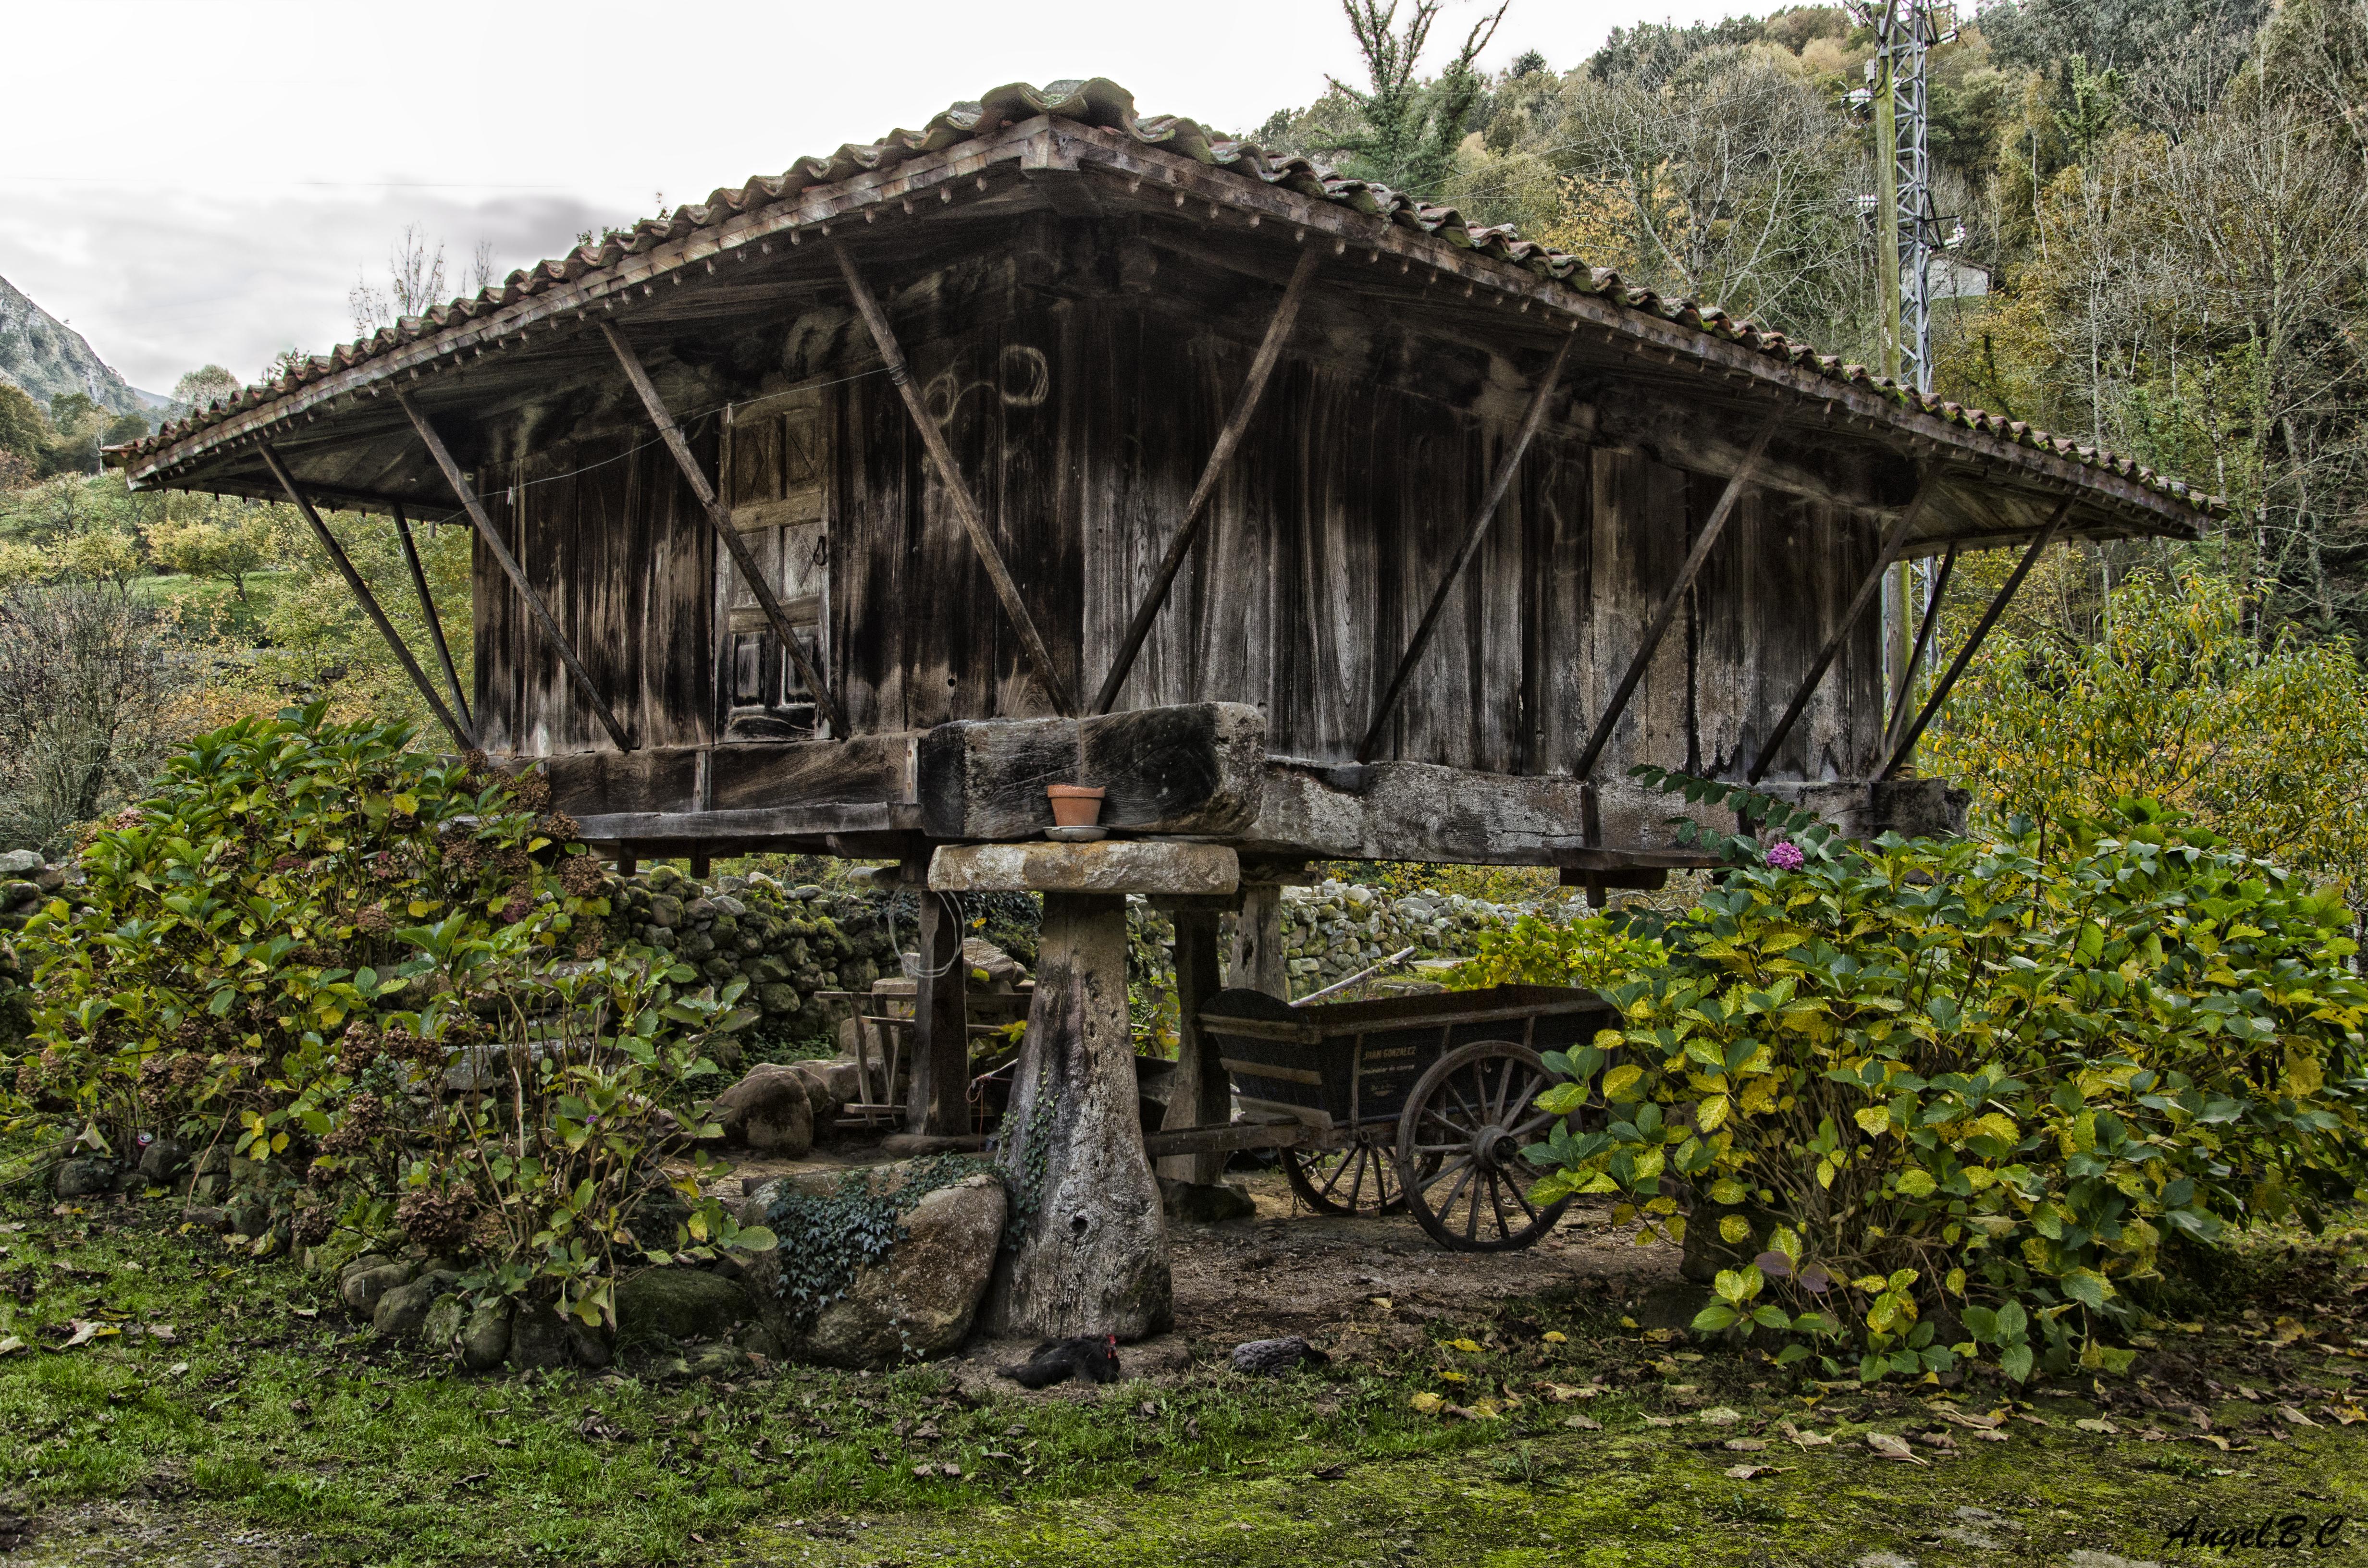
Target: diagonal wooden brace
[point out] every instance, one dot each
(1473, 536)
(720, 519)
(1667, 612)
(974, 522)
(435, 621)
(1237, 422)
(510, 569)
(1867, 585)
(2045, 537)
(1937, 590)
(461, 730)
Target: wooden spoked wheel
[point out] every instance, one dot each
(1460, 1143)
(1360, 1180)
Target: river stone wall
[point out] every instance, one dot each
(1332, 930)
(787, 942)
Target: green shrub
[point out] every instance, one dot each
(1925, 1080)
(381, 971)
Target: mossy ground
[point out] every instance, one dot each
(271, 1417)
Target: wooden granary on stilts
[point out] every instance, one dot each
(1051, 444)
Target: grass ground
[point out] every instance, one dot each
(218, 1398)
(211, 606)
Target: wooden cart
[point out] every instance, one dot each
(1419, 1102)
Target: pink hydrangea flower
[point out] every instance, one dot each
(1786, 856)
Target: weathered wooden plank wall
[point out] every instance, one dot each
(1081, 416)
(611, 537)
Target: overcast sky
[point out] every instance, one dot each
(189, 181)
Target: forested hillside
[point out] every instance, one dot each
(43, 357)
(2168, 196)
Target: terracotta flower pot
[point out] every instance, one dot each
(1075, 805)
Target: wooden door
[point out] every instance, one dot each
(776, 459)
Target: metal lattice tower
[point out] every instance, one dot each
(1905, 33)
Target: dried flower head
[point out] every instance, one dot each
(311, 1227)
(439, 1222)
(373, 921)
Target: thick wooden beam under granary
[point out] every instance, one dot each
(1194, 770)
(336, 553)
(1905, 701)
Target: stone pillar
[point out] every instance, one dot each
(1093, 1250)
(1203, 1092)
(936, 1103)
(1258, 961)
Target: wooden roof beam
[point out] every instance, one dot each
(726, 531)
(1668, 611)
(1548, 379)
(1895, 536)
(460, 731)
(501, 553)
(957, 491)
(1269, 353)
(435, 621)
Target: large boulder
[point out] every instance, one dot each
(486, 1341)
(366, 1281)
(85, 1175)
(402, 1312)
(678, 1303)
(538, 1337)
(771, 1110)
(920, 1301)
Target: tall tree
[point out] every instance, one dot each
(1409, 128)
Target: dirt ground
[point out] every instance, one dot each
(1289, 1270)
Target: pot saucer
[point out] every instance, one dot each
(1077, 834)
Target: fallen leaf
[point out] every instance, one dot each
(1719, 1415)
(1951, 1414)
(1583, 1422)
(1563, 1393)
(1806, 1439)
(1983, 1433)
(2034, 1420)
(1660, 1336)
(1469, 1346)
(162, 1332)
(1330, 1472)
(1660, 1421)
(86, 1331)
(2098, 1424)
(2154, 1435)
(2211, 1437)
(1750, 1471)
(1555, 1337)
(1426, 1402)
(1381, 1302)
(1745, 1444)
(1888, 1446)
(1483, 1410)
(10, 1344)
(2293, 1417)
(2345, 1414)
(306, 1312)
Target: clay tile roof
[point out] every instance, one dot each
(1103, 104)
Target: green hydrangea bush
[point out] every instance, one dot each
(1947, 1098)
(378, 979)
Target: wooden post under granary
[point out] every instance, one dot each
(1048, 399)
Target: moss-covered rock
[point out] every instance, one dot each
(678, 1303)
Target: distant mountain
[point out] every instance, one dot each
(46, 357)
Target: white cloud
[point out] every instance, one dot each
(210, 184)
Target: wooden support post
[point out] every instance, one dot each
(1473, 536)
(1257, 961)
(2045, 537)
(510, 569)
(1916, 650)
(1893, 542)
(361, 590)
(1202, 1092)
(726, 531)
(1092, 1257)
(1676, 597)
(939, 1101)
(435, 621)
(1277, 331)
(974, 522)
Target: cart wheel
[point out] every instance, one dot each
(1460, 1142)
(1360, 1180)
